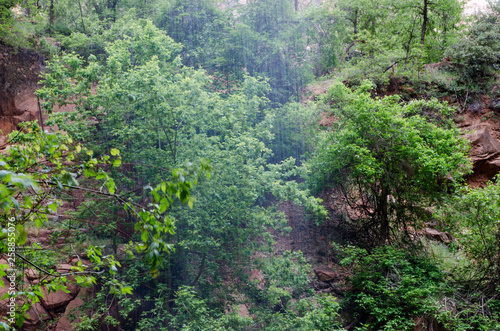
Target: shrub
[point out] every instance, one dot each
(391, 286)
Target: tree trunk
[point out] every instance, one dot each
(81, 15)
(408, 47)
(424, 23)
(383, 214)
(51, 13)
(112, 4)
(355, 22)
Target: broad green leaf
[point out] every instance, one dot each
(53, 206)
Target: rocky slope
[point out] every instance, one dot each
(19, 71)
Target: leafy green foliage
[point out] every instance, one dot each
(153, 118)
(38, 163)
(397, 35)
(6, 17)
(198, 25)
(292, 125)
(285, 302)
(267, 30)
(14, 31)
(472, 216)
(388, 160)
(36, 166)
(287, 277)
(320, 312)
(154, 225)
(392, 286)
(478, 52)
(323, 29)
(162, 115)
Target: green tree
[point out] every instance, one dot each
(477, 53)
(323, 26)
(435, 20)
(201, 27)
(388, 162)
(162, 116)
(293, 127)
(269, 40)
(408, 31)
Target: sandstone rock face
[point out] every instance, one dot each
(71, 285)
(71, 315)
(8, 106)
(19, 72)
(485, 147)
(485, 151)
(40, 236)
(55, 300)
(325, 274)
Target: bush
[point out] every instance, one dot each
(472, 216)
(392, 286)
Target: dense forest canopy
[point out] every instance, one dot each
(249, 165)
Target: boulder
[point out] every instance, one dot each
(443, 237)
(325, 274)
(64, 268)
(32, 274)
(41, 236)
(484, 146)
(74, 261)
(24, 117)
(8, 105)
(55, 300)
(36, 315)
(71, 285)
